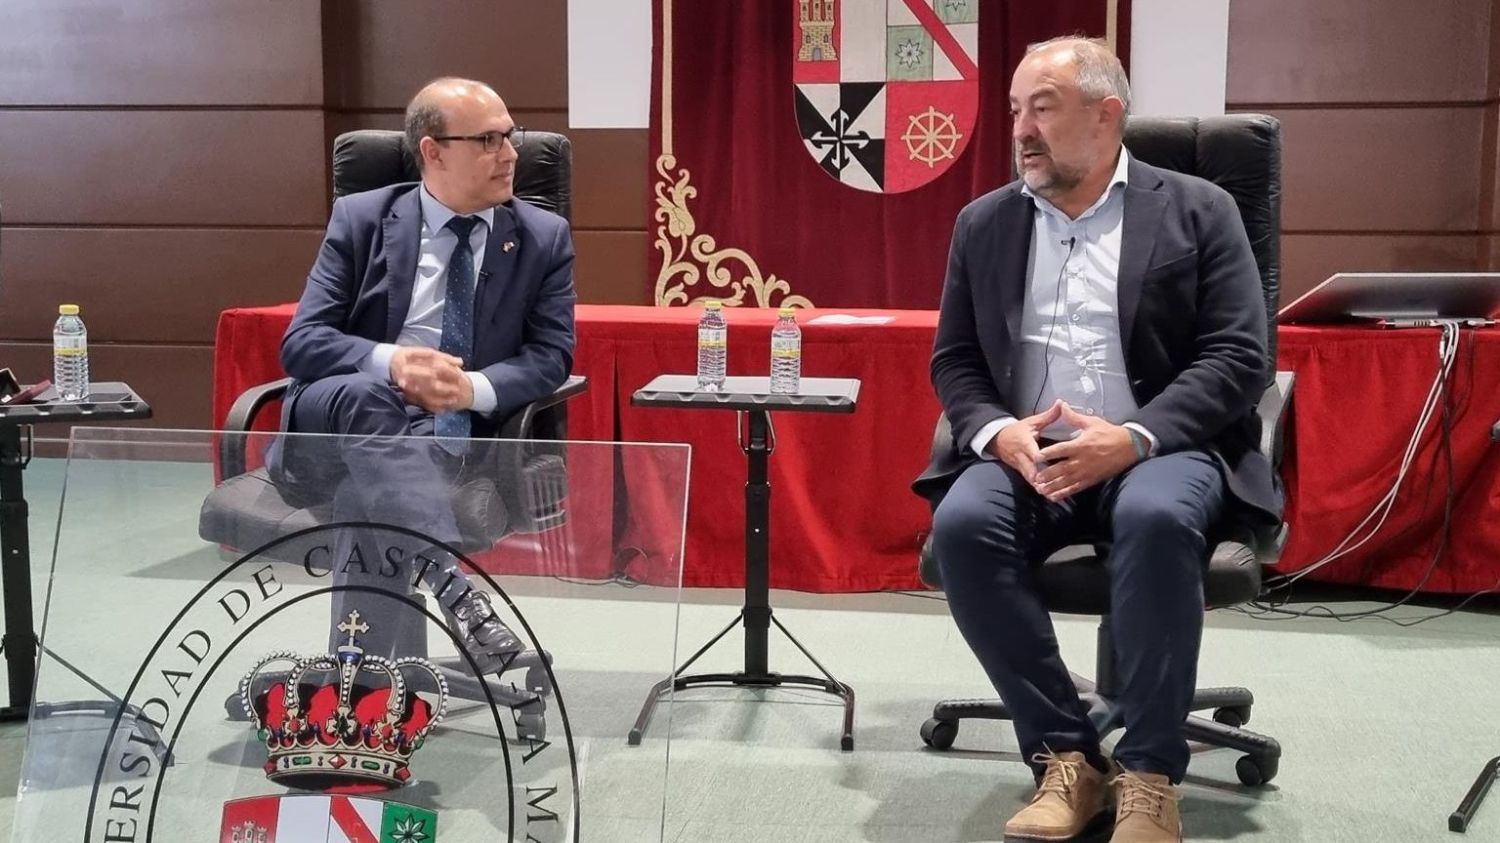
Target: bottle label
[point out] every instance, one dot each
(786, 347)
(712, 337)
(70, 346)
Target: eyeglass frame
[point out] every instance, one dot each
(515, 136)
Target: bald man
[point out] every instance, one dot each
(1100, 352)
(439, 307)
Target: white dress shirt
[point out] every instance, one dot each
(423, 325)
(1070, 345)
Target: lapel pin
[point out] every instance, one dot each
(509, 244)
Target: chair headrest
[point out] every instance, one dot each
(367, 159)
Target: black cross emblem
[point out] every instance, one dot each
(842, 140)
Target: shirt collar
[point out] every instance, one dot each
(436, 215)
(1121, 178)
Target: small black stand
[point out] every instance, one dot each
(1464, 814)
(752, 397)
(1461, 817)
(20, 642)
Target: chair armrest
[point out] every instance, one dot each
(942, 438)
(1275, 403)
(246, 407)
(240, 420)
(521, 423)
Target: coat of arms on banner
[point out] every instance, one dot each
(887, 91)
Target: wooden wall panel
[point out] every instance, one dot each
(390, 118)
(177, 381)
(147, 284)
(1381, 169)
(388, 50)
(1489, 252)
(1307, 260)
(160, 52)
(1390, 129)
(609, 178)
(611, 267)
(224, 168)
(1489, 169)
(1358, 51)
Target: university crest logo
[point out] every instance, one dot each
(344, 732)
(887, 91)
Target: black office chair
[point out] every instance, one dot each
(524, 492)
(1242, 154)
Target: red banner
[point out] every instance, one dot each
(817, 151)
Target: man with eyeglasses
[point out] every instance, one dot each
(439, 307)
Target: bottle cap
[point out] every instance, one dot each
(788, 310)
(67, 309)
(712, 304)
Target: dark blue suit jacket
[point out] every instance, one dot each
(360, 288)
(1192, 324)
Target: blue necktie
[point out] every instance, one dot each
(458, 319)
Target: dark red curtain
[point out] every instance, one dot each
(748, 200)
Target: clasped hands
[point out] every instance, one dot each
(1097, 451)
(432, 380)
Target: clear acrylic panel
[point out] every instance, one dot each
(254, 638)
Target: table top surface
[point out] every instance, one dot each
(816, 395)
(107, 401)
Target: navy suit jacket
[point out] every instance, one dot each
(1192, 324)
(360, 289)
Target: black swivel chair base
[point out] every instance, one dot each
(1230, 706)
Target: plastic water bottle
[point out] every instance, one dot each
(786, 354)
(713, 347)
(70, 355)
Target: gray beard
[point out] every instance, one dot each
(1058, 181)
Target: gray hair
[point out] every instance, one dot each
(1100, 73)
(424, 114)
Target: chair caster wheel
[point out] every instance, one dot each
(1255, 771)
(531, 726)
(939, 734)
(1232, 716)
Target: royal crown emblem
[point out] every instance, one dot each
(326, 729)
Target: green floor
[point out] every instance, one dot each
(1383, 728)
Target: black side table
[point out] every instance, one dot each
(753, 398)
(20, 641)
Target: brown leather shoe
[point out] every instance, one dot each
(1069, 798)
(1146, 809)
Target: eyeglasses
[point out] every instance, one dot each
(491, 140)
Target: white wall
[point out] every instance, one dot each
(609, 64)
(1179, 51)
(1178, 57)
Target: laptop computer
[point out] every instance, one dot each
(1399, 299)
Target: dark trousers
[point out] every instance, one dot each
(371, 475)
(991, 531)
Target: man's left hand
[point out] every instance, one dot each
(1098, 451)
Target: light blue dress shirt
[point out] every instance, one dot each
(423, 325)
(1070, 346)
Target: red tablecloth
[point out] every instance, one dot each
(843, 518)
(1358, 396)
